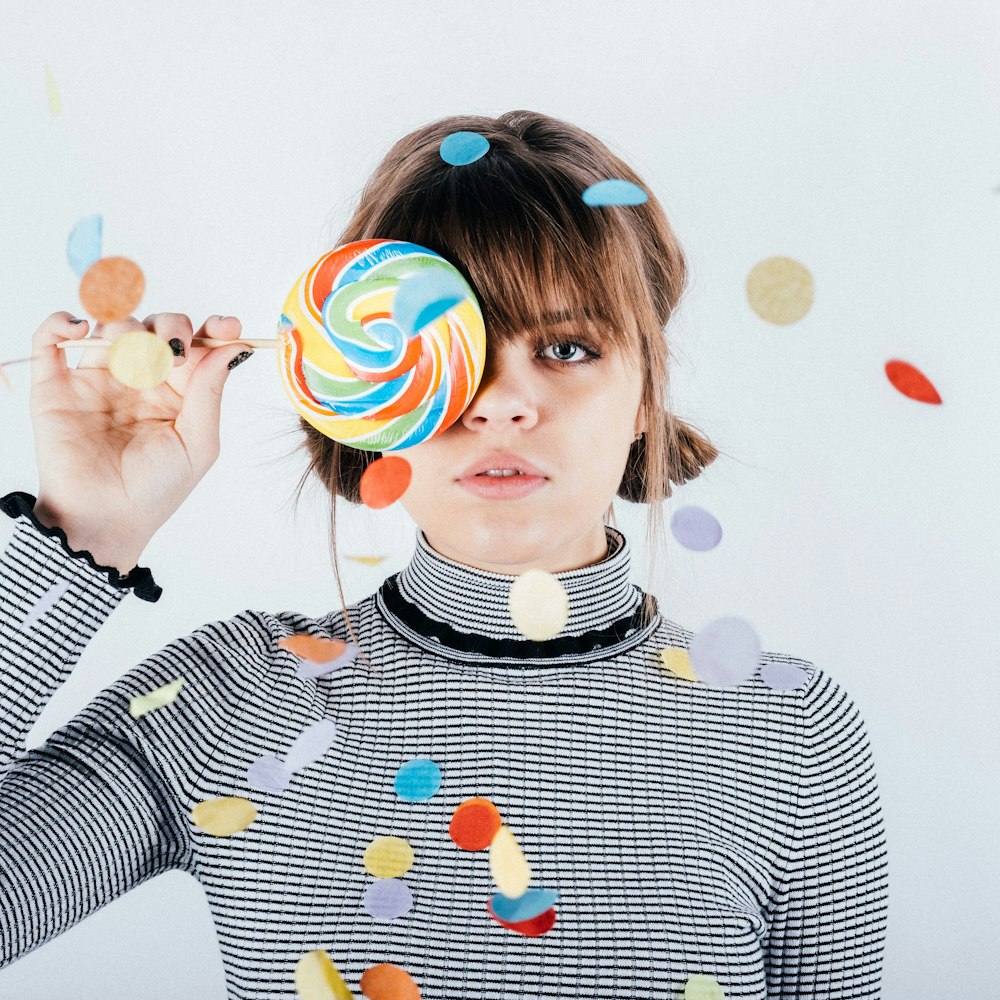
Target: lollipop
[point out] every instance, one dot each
(362, 364)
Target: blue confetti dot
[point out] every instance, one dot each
(460, 148)
(614, 192)
(84, 244)
(533, 903)
(417, 779)
(424, 297)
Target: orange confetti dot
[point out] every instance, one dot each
(385, 481)
(388, 982)
(111, 288)
(911, 382)
(474, 824)
(313, 647)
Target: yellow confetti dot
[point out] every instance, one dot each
(157, 698)
(367, 560)
(508, 865)
(317, 978)
(55, 104)
(702, 987)
(539, 605)
(224, 817)
(678, 661)
(388, 857)
(780, 290)
(140, 359)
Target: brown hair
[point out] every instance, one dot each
(515, 224)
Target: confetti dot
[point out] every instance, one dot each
(461, 148)
(323, 655)
(533, 903)
(424, 296)
(111, 288)
(388, 982)
(158, 698)
(534, 927)
(539, 605)
(474, 824)
(388, 899)
(695, 528)
(911, 382)
(52, 91)
(678, 662)
(783, 676)
(317, 978)
(703, 988)
(223, 817)
(388, 857)
(47, 601)
(385, 481)
(417, 779)
(268, 774)
(367, 560)
(508, 865)
(140, 359)
(84, 244)
(311, 744)
(614, 191)
(780, 290)
(725, 652)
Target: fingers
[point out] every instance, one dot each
(47, 360)
(221, 328)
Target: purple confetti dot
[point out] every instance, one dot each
(310, 745)
(783, 676)
(308, 669)
(388, 898)
(695, 528)
(268, 774)
(725, 652)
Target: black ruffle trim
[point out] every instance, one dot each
(139, 579)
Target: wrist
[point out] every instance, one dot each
(106, 549)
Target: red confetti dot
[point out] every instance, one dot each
(388, 982)
(534, 927)
(475, 824)
(385, 481)
(911, 381)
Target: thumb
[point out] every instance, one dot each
(47, 360)
(201, 410)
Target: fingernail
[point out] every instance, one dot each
(177, 346)
(76, 320)
(239, 359)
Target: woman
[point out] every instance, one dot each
(689, 831)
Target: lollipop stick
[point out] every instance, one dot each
(196, 342)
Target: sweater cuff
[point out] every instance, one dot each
(139, 579)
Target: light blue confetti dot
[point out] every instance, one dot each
(614, 191)
(84, 244)
(460, 148)
(533, 903)
(425, 296)
(417, 779)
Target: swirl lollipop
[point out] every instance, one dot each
(381, 344)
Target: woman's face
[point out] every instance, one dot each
(574, 420)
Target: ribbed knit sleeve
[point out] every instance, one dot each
(102, 805)
(828, 917)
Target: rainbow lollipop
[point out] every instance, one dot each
(381, 344)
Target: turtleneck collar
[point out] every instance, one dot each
(462, 612)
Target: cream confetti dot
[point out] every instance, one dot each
(140, 359)
(317, 978)
(508, 865)
(157, 698)
(388, 857)
(224, 817)
(55, 102)
(780, 290)
(539, 605)
(703, 987)
(678, 662)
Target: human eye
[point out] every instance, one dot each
(565, 350)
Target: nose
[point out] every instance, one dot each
(506, 393)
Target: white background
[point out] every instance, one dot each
(225, 145)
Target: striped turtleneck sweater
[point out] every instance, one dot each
(689, 830)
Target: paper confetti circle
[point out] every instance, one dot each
(425, 296)
(533, 903)
(317, 978)
(780, 290)
(911, 382)
(388, 982)
(539, 605)
(508, 865)
(158, 698)
(461, 148)
(385, 481)
(417, 779)
(725, 653)
(534, 927)
(323, 655)
(703, 988)
(224, 817)
(140, 359)
(474, 824)
(388, 899)
(388, 857)
(111, 288)
(268, 774)
(783, 676)
(678, 661)
(84, 244)
(695, 528)
(614, 191)
(311, 745)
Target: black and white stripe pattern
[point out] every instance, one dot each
(733, 832)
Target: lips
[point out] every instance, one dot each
(502, 460)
